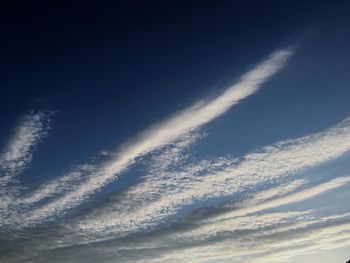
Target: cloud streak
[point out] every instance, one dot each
(289, 199)
(181, 208)
(167, 192)
(18, 153)
(166, 132)
(32, 128)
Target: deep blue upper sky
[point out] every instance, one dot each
(106, 70)
(125, 65)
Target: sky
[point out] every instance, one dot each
(175, 131)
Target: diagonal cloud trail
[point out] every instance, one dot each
(269, 164)
(201, 112)
(32, 128)
(226, 221)
(18, 152)
(305, 233)
(289, 199)
(167, 131)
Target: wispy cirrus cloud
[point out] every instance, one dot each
(157, 136)
(164, 193)
(18, 152)
(253, 238)
(184, 209)
(266, 239)
(233, 219)
(288, 199)
(277, 236)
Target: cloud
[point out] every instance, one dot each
(272, 237)
(280, 235)
(314, 236)
(159, 135)
(245, 217)
(18, 153)
(181, 209)
(187, 209)
(32, 128)
(165, 193)
(289, 199)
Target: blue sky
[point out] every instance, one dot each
(175, 132)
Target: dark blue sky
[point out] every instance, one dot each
(104, 71)
(123, 66)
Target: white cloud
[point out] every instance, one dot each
(276, 237)
(244, 218)
(244, 230)
(166, 132)
(31, 129)
(18, 152)
(289, 199)
(165, 193)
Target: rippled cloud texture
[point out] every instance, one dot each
(267, 205)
